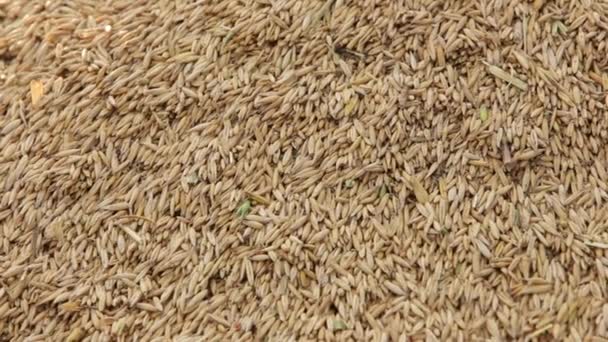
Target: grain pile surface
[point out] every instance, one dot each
(292, 170)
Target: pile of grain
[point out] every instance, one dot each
(285, 170)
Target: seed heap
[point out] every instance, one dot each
(303, 170)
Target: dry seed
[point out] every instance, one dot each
(503, 75)
(37, 91)
(122, 208)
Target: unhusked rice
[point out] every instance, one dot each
(291, 170)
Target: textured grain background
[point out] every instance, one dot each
(303, 170)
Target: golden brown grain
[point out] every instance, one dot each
(303, 170)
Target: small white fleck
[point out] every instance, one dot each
(108, 28)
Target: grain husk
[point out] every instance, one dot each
(303, 170)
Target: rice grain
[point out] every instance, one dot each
(321, 170)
